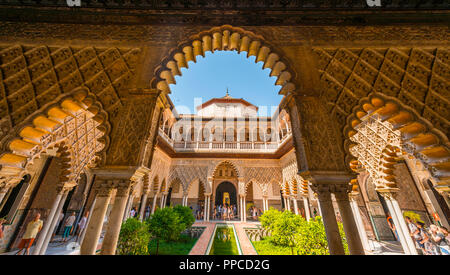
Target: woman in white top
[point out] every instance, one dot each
(82, 224)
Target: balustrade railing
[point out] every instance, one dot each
(250, 146)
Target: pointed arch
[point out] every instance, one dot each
(399, 130)
(77, 120)
(229, 163)
(225, 38)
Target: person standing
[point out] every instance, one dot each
(147, 212)
(391, 224)
(132, 212)
(32, 230)
(68, 226)
(439, 239)
(82, 224)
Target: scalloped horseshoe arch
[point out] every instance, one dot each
(413, 135)
(224, 38)
(58, 126)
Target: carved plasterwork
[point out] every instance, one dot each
(129, 130)
(381, 127)
(159, 170)
(76, 126)
(187, 174)
(418, 77)
(318, 141)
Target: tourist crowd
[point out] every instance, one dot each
(432, 240)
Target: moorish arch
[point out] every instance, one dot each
(188, 174)
(225, 38)
(226, 164)
(381, 128)
(75, 124)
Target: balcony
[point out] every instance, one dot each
(225, 146)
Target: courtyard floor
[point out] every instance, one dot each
(72, 248)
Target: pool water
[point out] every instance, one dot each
(224, 242)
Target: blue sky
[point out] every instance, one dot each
(212, 74)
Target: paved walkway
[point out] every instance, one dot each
(202, 243)
(246, 245)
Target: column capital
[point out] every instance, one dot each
(123, 190)
(103, 188)
(62, 188)
(388, 194)
(342, 191)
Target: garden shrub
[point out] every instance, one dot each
(294, 232)
(134, 237)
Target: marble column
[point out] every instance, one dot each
(87, 222)
(143, 204)
(245, 208)
(155, 197)
(115, 219)
(402, 231)
(264, 199)
(288, 204)
(359, 222)
(94, 227)
(47, 223)
(306, 206)
(350, 228)
(54, 222)
(161, 201)
(206, 207)
(241, 208)
(128, 209)
(329, 218)
(295, 206)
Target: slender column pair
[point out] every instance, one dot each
(399, 222)
(185, 199)
(50, 223)
(329, 219)
(94, 227)
(264, 202)
(351, 229)
(207, 207)
(115, 219)
(359, 222)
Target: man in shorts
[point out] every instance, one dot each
(32, 230)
